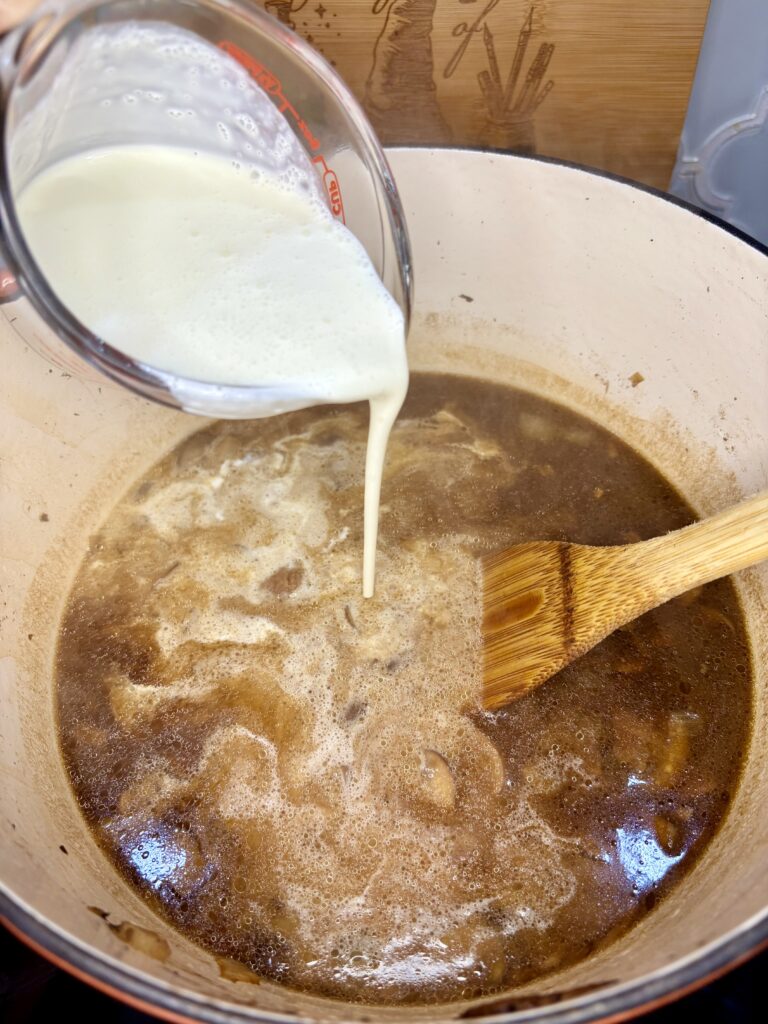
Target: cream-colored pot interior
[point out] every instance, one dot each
(542, 275)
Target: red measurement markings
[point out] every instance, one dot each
(332, 187)
(272, 86)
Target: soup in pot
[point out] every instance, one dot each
(303, 781)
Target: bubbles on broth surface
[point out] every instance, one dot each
(302, 780)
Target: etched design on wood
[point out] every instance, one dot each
(511, 101)
(483, 73)
(283, 9)
(400, 92)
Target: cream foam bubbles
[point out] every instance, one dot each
(193, 265)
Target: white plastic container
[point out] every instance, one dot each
(722, 162)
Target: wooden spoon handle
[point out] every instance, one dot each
(704, 551)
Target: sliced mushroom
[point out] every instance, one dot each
(440, 788)
(284, 581)
(492, 955)
(349, 616)
(233, 970)
(689, 596)
(716, 617)
(494, 773)
(669, 835)
(681, 726)
(145, 941)
(354, 711)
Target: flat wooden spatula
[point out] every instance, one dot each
(548, 602)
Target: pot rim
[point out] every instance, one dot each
(610, 1004)
(618, 1003)
(595, 172)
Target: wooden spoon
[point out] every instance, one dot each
(548, 602)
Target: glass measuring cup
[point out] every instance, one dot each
(197, 74)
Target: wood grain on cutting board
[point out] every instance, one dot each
(600, 82)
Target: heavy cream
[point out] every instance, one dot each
(191, 264)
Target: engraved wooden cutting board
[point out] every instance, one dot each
(600, 82)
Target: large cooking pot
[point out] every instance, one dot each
(564, 282)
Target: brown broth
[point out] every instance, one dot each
(290, 774)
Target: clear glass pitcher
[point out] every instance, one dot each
(202, 74)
